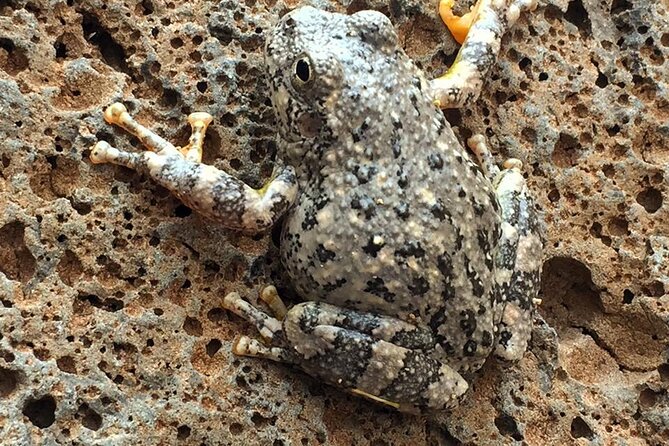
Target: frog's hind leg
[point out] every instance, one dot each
(480, 33)
(206, 189)
(378, 357)
(519, 254)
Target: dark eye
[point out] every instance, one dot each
(303, 70)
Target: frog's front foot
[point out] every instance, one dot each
(208, 190)
(480, 32)
(378, 357)
(457, 25)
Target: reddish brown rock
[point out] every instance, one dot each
(111, 327)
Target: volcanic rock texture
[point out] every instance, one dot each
(111, 326)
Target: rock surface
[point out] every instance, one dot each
(111, 326)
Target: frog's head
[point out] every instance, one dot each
(324, 71)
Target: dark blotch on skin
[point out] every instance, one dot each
(504, 338)
(364, 173)
(448, 292)
(479, 209)
(439, 210)
(309, 222)
(402, 210)
(395, 145)
(378, 287)
(474, 279)
(403, 180)
(448, 348)
(469, 348)
(410, 248)
(475, 169)
(445, 265)
(438, 318)
(371, 248)
(458, 241)
(486, 339)
(419, 286)
(324, 255)
(364, 204)
(435, 161)
(329, 287)
(468, 322)
(309, 318)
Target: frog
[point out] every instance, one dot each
(415, 261)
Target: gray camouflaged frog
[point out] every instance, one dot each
(415, 263)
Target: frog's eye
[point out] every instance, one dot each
(302, 72)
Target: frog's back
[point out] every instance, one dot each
(393, 216)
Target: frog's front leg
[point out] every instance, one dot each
(208, 190)
(519, 255)
(378, 357)
(480, 33)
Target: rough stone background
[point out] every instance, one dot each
(111, 326)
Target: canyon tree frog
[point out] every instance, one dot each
(415, 263)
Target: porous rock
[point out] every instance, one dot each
(111, 326)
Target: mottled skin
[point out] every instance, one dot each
(414, 264)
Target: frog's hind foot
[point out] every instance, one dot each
(117, 114)
(269, 328)
(246, 346)
(480, 32)
(271, 297)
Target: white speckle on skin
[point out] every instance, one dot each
(526, 259)
(427, 196)
(324, 216)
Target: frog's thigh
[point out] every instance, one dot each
(208, 190)
(518, 261)
(483, 28)
(362, 361)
